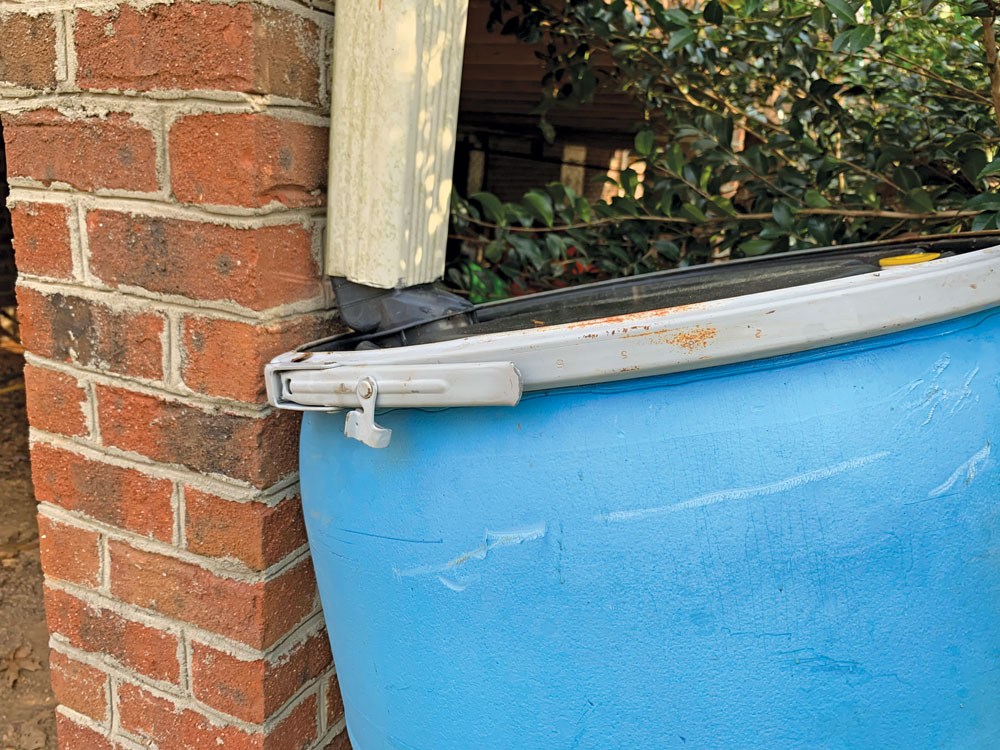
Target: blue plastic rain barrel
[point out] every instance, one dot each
(753, 506)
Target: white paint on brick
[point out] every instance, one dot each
(146, 107)
(93, 421)
(63, 29)
(171, 351)
(203, 214)
(79, 243)
(320, 11)
(115, 714)
(245, 102)
(331, 733)
(324, 718)
(160, 138)
(104, 557)
(184, 659)
(57, 186)
(177, 502)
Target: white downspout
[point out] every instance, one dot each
(397, 73)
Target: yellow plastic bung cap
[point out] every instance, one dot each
(906, 260)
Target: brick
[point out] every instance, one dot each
(257, 268)
(258, 450)
(256, 534)
(253, 613)
(125, 498)
(340, 742)
(289, 58)
(89, 153)
(41, 239)
(210, 346)
(135, 646)
(56, 401)
(69, 553)
(298, 730)
(194, 46)
(247, 160)
(73, 329)
(28, 50)
(334, 701)
(79, 686)
(253, 690)
(73, 736)
(170, 727)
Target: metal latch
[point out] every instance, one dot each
(363, 388)
(360, 423)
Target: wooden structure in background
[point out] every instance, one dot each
(501, 148)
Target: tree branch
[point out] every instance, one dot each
(845, 213)
(990, 42)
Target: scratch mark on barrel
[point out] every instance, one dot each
(969, 469)
(491, 540)
(745, 493)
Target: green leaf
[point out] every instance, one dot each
(861, 37)
(973, 163)
(677, 17)
(714, 12)
(624, 48)
(644, 142)
(692, 212)
(722, 206)
(881, 6)
(629, 181)
(783, 215)
(919, 200)
(674, 157)
(815, 200)
(985, 221)
(992, 168)
(667, 249)
(491, 206)
(842, 40)
(540, 205)
(493, 251)
(582, 207)
(841, 10)
(983, 202)
(529, 250)
(755, 247)
(681, 38)
(556, 246)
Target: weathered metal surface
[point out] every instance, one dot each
(689, 337)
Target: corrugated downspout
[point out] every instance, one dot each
(396, 78)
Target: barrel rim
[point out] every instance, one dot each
(689, 337)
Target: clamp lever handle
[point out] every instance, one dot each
(360, 424)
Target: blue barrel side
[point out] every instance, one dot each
(801, 552)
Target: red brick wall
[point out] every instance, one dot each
(167, 165)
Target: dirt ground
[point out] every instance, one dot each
(27, 709)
